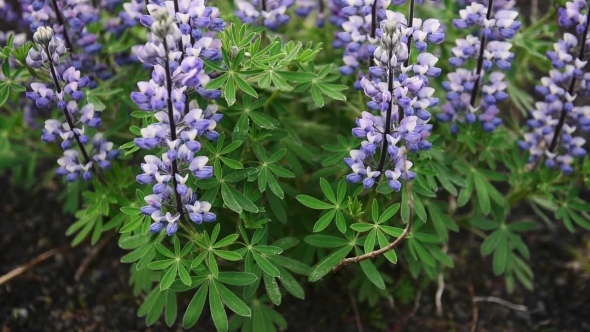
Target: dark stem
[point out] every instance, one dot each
(321, 5)
(373, 31)
(180, 43)
(95, 3)
(482, 48)
(411, 37)
(61, 22)
(172, 127)
(263, 4)
(570, 90)
(387, 122)
(65, 111)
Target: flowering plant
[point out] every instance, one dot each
(235, 162)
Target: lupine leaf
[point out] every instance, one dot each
(265, 265)
(272, 289)
(324, 221)
(371, 272)
(170, 309)
(169, 277)
(232, 301)
(217, 310)
(501, 255)
(326, 264)
(313, 203)
(237, 278)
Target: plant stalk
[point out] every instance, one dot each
(482, 48)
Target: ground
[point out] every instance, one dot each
(47, 297)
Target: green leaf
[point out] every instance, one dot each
(501, 255)
(370, 241)
(232, 301)
(423, 255)
(274, 185)
(327, 189)
(4, 93)
(230, 91)
(390, 254)
(228, 255)
(341, 192)
(291, 285)
(235, 200)
(164, 251)
(362, 227)
(265, 265)
(237, 278)
(226, 241)
(299, 77)
(231, 163)
(326, 264)
(324, 221)
(272, 289)
(388, 213)
(217, 310)
(317, 95)
(491, 242)
(263, 120)
(326, 241)
(171, 309)
(280, 83)
(313, 203)
(482, 194)
(184, 274)
(160, 265)
(245, 87)
(371, 272)
(268, 250)
(169, 277)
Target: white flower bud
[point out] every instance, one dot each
(43, 35)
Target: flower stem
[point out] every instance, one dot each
(387, 120)
(61, 22)
(482, 48)
(572, 86)
(65, 111)
(172, 127)
(410, 38)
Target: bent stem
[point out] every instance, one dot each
(392, 245)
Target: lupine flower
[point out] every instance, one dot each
(465, 85)
(402, 97)
(174, 50)
(65, 93)
(555, 120)
(271, 14)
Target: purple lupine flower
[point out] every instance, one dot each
(174, 50)
(555, 120)
(360, 36)
(465, 86)
(65, 93)
(271, 14)
(402, 98)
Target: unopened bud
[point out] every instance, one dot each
(43, 35)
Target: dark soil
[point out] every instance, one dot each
(47, 298)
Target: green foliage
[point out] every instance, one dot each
(285, 213)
